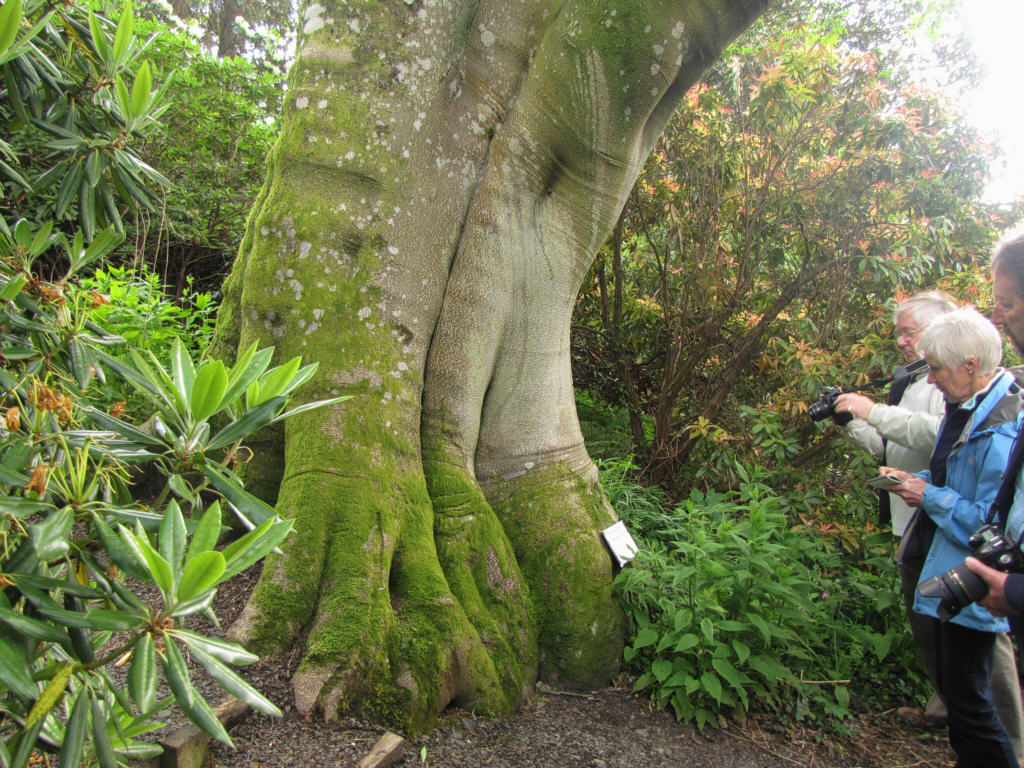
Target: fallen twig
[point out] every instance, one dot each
(544, 689)
(761, 746)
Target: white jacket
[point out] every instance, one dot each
(910, 429)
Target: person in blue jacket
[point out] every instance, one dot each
(953, 496)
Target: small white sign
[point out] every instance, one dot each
(620, 543)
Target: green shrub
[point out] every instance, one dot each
(734, 607)
(217, 132)
(71, 530)
(605, 428)
(134, 306)
(642, 505)
(77, 98)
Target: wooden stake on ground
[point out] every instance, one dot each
(387, 751)
(187, 746)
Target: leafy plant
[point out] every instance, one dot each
(733, 608)
(76, 544)
(109, 118)
(216, 135)
(134, 306)
(76, 93)
(643, 506)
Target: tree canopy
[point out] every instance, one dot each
(798, 191)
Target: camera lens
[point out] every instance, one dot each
(821, 410)
(956, 588)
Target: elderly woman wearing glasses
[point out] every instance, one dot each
(963, 351)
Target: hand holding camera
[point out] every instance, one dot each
(826, 407)
(858, 405)
(995, 580)
(844, 404)
(960, 586)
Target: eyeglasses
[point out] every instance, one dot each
(908, 333)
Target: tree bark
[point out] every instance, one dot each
(227, 37)
(445, 175)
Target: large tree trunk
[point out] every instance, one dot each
(445, 175)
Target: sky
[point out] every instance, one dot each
(997, 107)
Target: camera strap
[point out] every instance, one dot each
(901, 378)
(1000, 508)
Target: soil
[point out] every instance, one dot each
(608, 728)
(604, 729)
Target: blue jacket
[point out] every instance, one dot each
(974, 471)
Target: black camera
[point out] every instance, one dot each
(826, 406)
(960, 586)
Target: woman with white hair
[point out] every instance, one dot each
(963, 351)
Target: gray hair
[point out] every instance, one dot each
(925, 307)
(955, 337)
(1009, 260)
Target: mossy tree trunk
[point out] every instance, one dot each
(446, 172)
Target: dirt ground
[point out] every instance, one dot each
(604, 729)
(609, 728)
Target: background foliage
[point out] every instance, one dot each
(132, 125)
(262, 32)
(807, 185)
(800, 192)
(214, 139)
